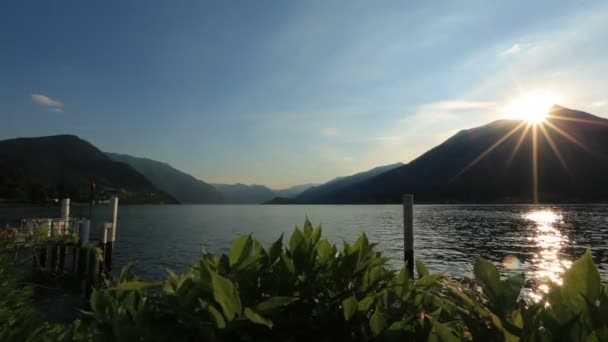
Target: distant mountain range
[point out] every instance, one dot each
(495, 164)
(489, 164)
(244, 194)
(293, 191)
(180, 185)
(319, 194)
(36, 169)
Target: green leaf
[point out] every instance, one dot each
(275, 249)
(349, 307)
(511, 288)
(316, 234)
(274, 303)
(136, 285)
(421, 268)
(296, 239)
(226, 295)
(214, 313)
(307, 228)
(488, 277)
(257, 318)
(241, 248)
(325, 251)
(581, 280)
(366, 303)
(377, 323)
(402, 282)
(443, 333)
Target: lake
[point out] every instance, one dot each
(540, 240)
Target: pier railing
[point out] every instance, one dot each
(63, 246)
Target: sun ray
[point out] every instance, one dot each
(535, 164)
(564, 118)
(518, 145)
(572, 139)
(488, 150)
(556, 150)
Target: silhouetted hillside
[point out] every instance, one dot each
(466, 169)
(242, 193)
(35, 169)
(180, 185)
(293, 191)
(319, 194)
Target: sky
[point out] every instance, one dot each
(282, 93)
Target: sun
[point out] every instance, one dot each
(532, 107)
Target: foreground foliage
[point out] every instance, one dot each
(309, 289)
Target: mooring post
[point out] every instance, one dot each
(109, 248)
(408, 233)
(84, 231)
(65, 208)
(114, 218)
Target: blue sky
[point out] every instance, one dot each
(288, 92)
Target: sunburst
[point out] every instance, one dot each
(534, 110)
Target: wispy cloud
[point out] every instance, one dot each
(602, 103)
(54, 105)
(330, 132)
(515, 48)
(457, 105)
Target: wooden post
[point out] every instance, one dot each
(65, 208)
(103, 243)
(109, 248)
(84, 231)
(114, 202)
(408, 233)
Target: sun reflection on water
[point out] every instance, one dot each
(547, 265)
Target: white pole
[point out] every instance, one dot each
(408, 232)
(65, 208)
(114, 202)
(84, 230)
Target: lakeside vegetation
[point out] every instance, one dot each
(306, 288)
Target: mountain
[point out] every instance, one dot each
(494, 163)
(35, 169)
(293, 191)
(180, 185)
(242, 193)
(319, 194)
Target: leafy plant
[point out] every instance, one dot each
(306, 288)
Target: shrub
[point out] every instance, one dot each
(308, 289)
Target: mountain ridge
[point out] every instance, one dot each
(501, 176)
(181, 185)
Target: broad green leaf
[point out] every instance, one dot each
(136, 285)
(226, 295)
(316, 234)
(421, 268)
(377, 323)
(443, 333)
(488, 277)
(257, 318)
(325, 251)
(402, 282)
(349, 307)
(296, 239)
(241, 248)
(581, 280)
(510, 291)
(214, 313)
(274, 303)
(366, 303)
(307, 228)
(275, 249)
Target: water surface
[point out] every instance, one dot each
(539, 240)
